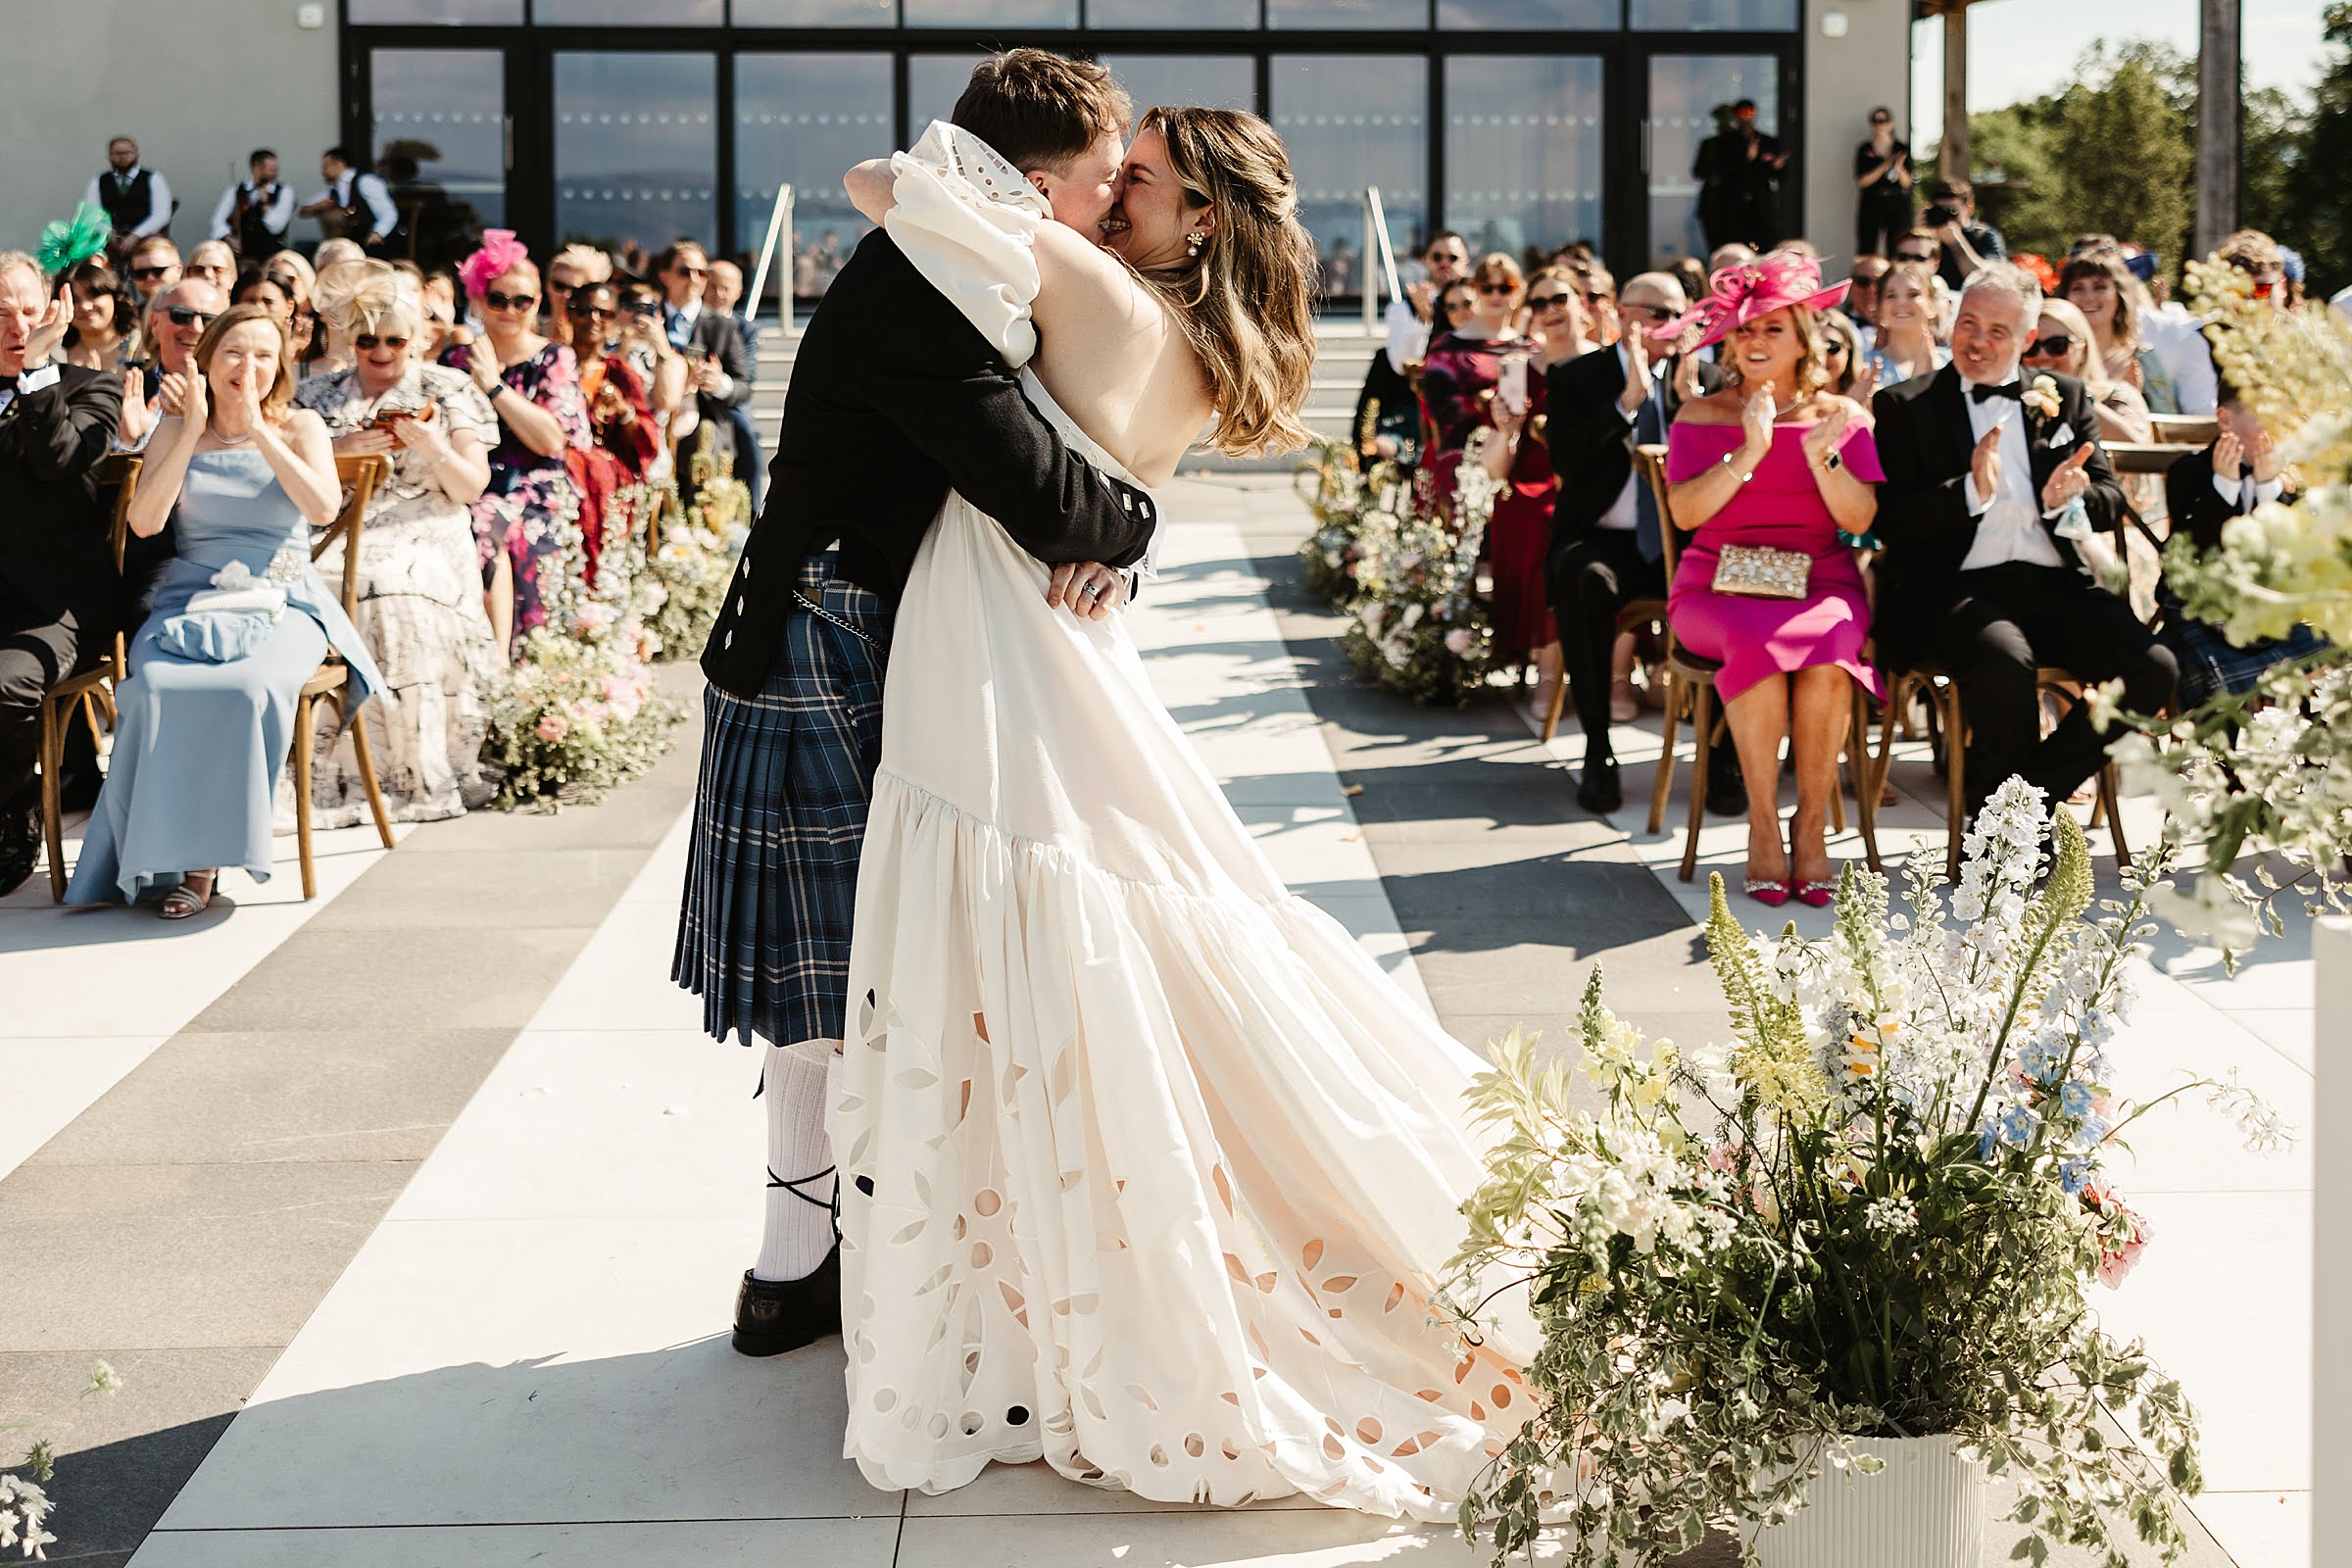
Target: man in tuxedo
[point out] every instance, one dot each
(1987, 491)
(1607, 550)
(725, 295)
(57, 586)
(254, 215)
(136, 200)
(895, 398)
(718, 363)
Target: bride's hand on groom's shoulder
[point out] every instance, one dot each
(1089, 590)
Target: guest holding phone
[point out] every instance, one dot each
(612, 471)
(421, 589)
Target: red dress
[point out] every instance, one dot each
(610, 471)
(1458, 394)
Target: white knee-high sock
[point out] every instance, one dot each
(799, 1233)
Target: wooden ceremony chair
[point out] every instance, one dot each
(1690, 693)
(92, 691)
(1632, 615)
(359, 477)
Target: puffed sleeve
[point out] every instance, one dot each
(968, 221)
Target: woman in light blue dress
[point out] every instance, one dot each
(238, 620)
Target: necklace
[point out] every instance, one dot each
(227, 441)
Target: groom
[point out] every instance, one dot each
(895, 400)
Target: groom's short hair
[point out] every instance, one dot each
(1039, 109)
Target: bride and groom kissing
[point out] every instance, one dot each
(1138, 1163)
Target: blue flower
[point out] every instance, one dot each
(2038, 1061)
(2017, 1125)
(2073, 1174)
(2091, 1132)
(2075, 1099)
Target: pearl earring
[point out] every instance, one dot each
(1193, 243)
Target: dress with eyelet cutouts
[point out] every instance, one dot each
(1149, 1169)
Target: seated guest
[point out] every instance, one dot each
(421, 587)
(1921, 247)
(725, 295)
(2241, 469)
(106, 319)
(213, 263)
(1519, 534)
(152, 266)
(1731, 255)
(1842, 357)
(1981, 572)
(1905, 344)
(2063, 345)
(240, 620)
(1605, 550)
(2103, 289)
(528, 522)
(718, 367)
(58, 588)
(1776, 460)
(1862, 303)
(1388, 421)
(1460, 375)
(566, 271)
(175, 323)
(610, 472)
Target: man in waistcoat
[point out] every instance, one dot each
(136, 199)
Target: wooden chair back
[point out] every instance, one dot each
(1651, 461)
(360, 477)
(2146, 456)
(2191, 429)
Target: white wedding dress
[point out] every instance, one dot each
(1148, 1169)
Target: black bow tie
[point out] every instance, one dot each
(2011, 390)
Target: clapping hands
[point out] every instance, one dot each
(2067, 482)
(1757, 409)
(50, 330)
(1827, 435)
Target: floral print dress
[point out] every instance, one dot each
(532, 508)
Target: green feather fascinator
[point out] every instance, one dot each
(64, 246)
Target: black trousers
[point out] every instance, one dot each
(39, 648)
(1589, 580)
(1878, 223)
(2006, 621)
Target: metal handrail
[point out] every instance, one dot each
(779, 225)
(1375, 234)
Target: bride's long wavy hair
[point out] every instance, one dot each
(1247, 301)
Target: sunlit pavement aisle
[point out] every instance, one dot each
(523, 1361)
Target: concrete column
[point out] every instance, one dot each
(1952, 163)
(1858, 55)
(2332, 1213)
(2218, 123)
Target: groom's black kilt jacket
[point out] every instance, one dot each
(895, 398)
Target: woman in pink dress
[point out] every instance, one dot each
(1776, 460)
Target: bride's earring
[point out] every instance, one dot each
(1192, 244)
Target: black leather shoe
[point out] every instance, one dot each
(1727, 791)
(1601, 791)
(772, 1316)
(19, 846)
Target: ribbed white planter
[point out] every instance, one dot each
(1924, 1511)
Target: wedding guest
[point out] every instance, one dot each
(333, 253)
(2179, 339)
(610, 471)
(718, 368)
(1966, 244)
(1462, 368)
(1414, 319)
(1905, 344)
(1597, 289)
(213, 263)
(1733, 254)
(661, 368)
(1862, 301)
(2258, 256)
(1605, 550)
(175, 324)
(1842, 357)
(1922, 248)
(1519, 532)
(2062, 346)
(106, 319)
(566, 271)
(1738, 173)
(726, 296)
(1776, 460)
(152, 265)
(240, 620)
(254, 215)
(355, 205)
(421, 587)
(136, 200)
(1980, 570)
(299, 280)
(2098, 284)
(2243, 468)
(527, 523)
(59, 592)
(1885, 211)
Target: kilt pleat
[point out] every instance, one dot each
(779, 820)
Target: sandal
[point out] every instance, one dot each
(188, 900)
(1625, 703)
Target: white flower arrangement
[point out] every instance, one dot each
(1876, 1214)
(24, 1505)
(1419, 626)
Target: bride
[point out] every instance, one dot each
(1150, 1171)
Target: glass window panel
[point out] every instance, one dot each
(439, 141)
(1209, 81)
(1686, 95)
(1715, 16)
(1523, 151)
(992, 14)
(803, 119)
(429, 11)
(1527, 15)
(636, 150)
(1171, 14)
(933, 84)
(629, 12)
(1352, 120)
(815, 13)
(1403, 15)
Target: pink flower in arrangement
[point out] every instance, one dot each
(1458, 642)
(593, 711)
(552, 727)
(2116, 1263)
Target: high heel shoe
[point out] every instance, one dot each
(1775, 894)
(1815, 894)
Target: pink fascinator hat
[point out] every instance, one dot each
(500, 253)
(1740, 294)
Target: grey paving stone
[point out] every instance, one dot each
(544, 886)
(297, 1094)
(180, 1257)
(636, 815)
(121, 1459)
(399, 979)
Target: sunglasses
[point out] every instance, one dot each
(370, 340)
(2050, 343)
(1657, 312)
(185, 316)
(1928, 257)
(1541, 303)
(1882, 120)
(1503, 290)
(692, 271)
(149, 271)
(1837, 346)
(594, 313)
(1457, 303)
(509, 302)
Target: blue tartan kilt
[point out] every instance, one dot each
(779, 820)
(2211, 664)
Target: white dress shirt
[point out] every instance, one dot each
(2179, 339)
(679, 323)
(383, 216)
(1625, 512)
(1408, 335)
(2244, 493)
(275, 219)
(159, 189)
(2009, 521)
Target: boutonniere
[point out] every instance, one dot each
(2042, 397)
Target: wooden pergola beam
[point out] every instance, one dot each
(2218, 123)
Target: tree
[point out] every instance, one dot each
(2324, 199)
